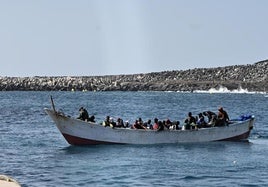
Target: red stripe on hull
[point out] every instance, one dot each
(239, 137)
(73, 140)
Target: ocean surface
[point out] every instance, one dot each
(34, 152)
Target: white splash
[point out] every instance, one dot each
(223, 89)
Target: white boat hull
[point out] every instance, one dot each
(77, 132)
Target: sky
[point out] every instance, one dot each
(112, 37)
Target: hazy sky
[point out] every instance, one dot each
(104, 37)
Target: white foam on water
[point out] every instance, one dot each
(223, 89)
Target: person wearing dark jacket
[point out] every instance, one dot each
(83, 114)
(211, 117)
(190, 121)
(223, 118)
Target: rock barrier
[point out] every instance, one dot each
(251, 77)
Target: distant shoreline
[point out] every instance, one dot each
(251, 77)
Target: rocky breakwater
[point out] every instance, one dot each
(251, 77)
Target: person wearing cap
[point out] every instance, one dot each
(223, 117)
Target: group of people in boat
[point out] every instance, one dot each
(202, 120)
(213, 119)
(119, 123)
(140, 124)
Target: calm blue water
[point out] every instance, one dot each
(34, 152)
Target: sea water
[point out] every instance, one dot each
(33, 151)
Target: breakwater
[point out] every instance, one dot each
(252, 77)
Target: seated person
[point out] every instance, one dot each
(190, 121)
(201, 121)
(92, 119)
(148, 124)
(168, 124)
(140, 121)
(112, 122)
(175, 125)
(155, 125)
(138, 125)
(161, 126)
(223, 118)
(107, 121)
(83, 114)
(120, 123)
(126, 125)
(211, 117)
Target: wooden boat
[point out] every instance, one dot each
(78, 132)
